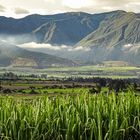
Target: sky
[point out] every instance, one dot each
(21, 8)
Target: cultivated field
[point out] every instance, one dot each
(81, 117)
(37, 107)
(81, 71)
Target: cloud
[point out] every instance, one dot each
(2, 8)
(131, 47)
(77, 3)
(128, 45)
(19, 10)
(79, 48)
(55, 6)
(33, 45)
(45, 46)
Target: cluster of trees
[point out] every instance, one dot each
(95, 84)
(97, 79)
(116, 85)
(9, 76)
(13, 76)
(113, 85)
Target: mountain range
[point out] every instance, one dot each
(66, 28)
(88, 38)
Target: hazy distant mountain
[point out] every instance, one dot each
(67, 28)
(11, 55)
(93, 38)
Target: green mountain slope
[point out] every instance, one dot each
(109, 40)
(124, 27)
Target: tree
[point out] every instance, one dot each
(0, 86)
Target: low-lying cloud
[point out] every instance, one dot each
(45, 46)
(34, 45)
(128, 45)
(79, 48)
(131, 47)
(16, 39)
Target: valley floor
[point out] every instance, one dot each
(41, 107)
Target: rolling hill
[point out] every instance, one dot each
(14, 56)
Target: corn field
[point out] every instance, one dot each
(80, 117)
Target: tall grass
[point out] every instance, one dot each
(84, 117)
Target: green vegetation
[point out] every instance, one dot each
(84, 117)
(92, 67)
(115, 39)
(79, 71)
(58, 91)
(94, 71)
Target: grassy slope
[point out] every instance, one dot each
(107, 41)
(119, 26)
